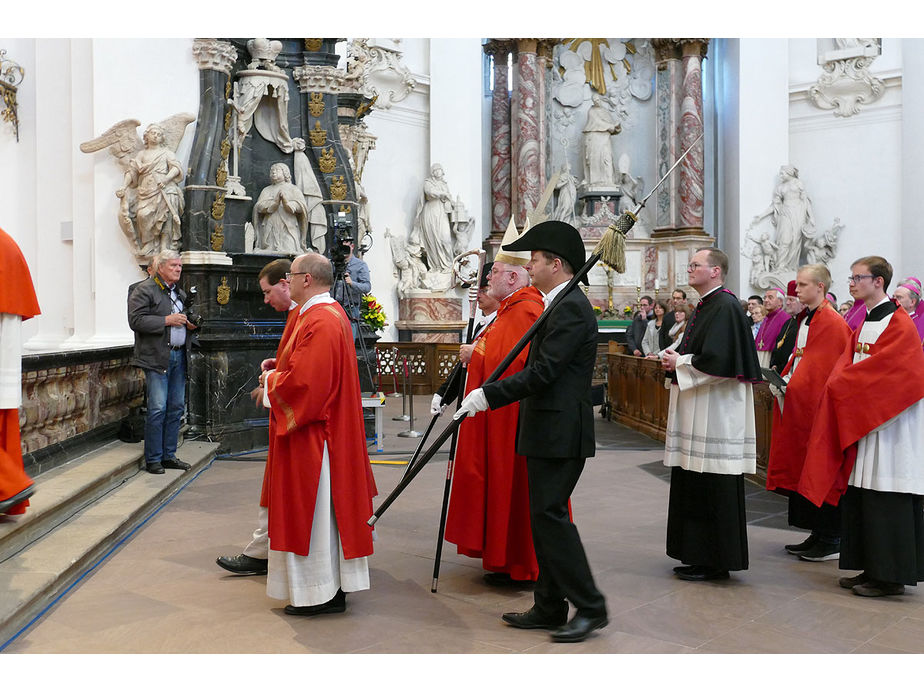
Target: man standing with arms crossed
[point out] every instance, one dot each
(555, 434)
(275, 287)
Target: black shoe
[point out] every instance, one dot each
(337, 605)
(684, 568)
(504, 580)
(242, 564)
(848, 583)
(877, 588)
(17, 499)
(796, 549)
(154, 468)
(175, 464)
(821, 551)
(703, 572)
(579, 628)
(533, 619)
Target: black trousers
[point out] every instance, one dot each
(883, 535)
(824, 521)
(564, 573)
(706, 523)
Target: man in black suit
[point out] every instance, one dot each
(555, 433)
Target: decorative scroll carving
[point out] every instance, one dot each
(11, 75)
(847, 84)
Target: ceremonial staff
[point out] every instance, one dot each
(611, 251)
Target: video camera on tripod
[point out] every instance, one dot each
(342, 231)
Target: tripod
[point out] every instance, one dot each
(341, 292)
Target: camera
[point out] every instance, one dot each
(339, 250)
(194, 318)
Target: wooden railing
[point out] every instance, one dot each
(638, 399)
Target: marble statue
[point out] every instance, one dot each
(822, 247)
(791, 214)
(631, 188)
(280, 215)
(598, 153)
(432, 230)
(362, 211)
(567, 195)
(151, 198)
(409, 268)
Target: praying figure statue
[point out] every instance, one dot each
(280, 215)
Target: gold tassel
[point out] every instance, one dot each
(612, 247)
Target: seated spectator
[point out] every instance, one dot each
(650, 340)
(757, 317)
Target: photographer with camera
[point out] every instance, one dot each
(351, 279)
(161, 318)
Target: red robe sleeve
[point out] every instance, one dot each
(859, 397)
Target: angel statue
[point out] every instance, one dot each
(409, 268)
(151, 198)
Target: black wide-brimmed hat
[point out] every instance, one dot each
(556, 237)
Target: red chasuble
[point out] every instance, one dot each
(315, 400)
(291, 321)
(859, 397)
(17, 297)
(489, 506)
(828, 336)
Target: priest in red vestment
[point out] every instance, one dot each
(867, 436)
(275, 287)
(821, 337)
(17, 303)
(768, 334)
(318, 481)
(488, 514)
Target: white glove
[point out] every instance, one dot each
(473, 403)
(436, 405)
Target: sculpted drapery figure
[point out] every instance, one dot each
(791, 214)
(598, 154)
(280, 215)
(567, 194)
(154, 173)
(432, 230)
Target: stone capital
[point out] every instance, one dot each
(527, 45)
(499, 47)
(319, 78)
(694, 47)
(212, 54)
(545, 48)
(666, 49)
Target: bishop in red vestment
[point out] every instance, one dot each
(488, 514)
(17, 303)
(319, 483)
(822, 336)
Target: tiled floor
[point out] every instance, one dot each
(162, 592)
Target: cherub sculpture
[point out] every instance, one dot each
(151, 198)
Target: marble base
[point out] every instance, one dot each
(425, 316)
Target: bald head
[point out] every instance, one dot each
(311, 274)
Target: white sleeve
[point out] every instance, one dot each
(689, 377)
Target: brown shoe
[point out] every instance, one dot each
(848, 583)
(875, 588)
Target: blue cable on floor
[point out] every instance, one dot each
(102, 558)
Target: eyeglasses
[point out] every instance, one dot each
(855, 278)
(289, 275)
(693, 265)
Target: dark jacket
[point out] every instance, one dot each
(148, 305)
(636, 332)
(556, 415)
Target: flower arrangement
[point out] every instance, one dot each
(598, 311)
(628, 310)
(371, 312)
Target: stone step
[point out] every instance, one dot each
(79, 513)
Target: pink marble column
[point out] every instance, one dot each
(691, 127)
(500, 139)
(527, 151)
(544, 55)
(667, 58)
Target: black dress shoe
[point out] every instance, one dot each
(504, 580)
(337, 605)
(533, 619)
(175, 464)
(796, 549)
(684, 568)
(17, 499)
(579, 628)
(703, 572)
(154, 468)
(243, 565)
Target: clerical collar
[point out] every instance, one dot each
(316, 300)
(292, 305)
(880, 310)
(710, 292)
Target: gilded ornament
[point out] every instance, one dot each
(224, 292)
(338, 188)
(225, 148)
(218, 238)
(316, 104)
(593, 69)
(221, 176)
(365, 106)
(313, 44)
(346, 209)
(218, 207)
(318, 135)
(227, 120)
(328, 161)
(228, 89)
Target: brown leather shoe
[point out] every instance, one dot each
(876, 588)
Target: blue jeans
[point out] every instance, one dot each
(165, 403)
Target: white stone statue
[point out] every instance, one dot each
(822, 247)
(599, 171)
(567, 195)
(432, 230)
(280, 215)
(362, 211)
(791, 214)
(409, 269)
(151, 198)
